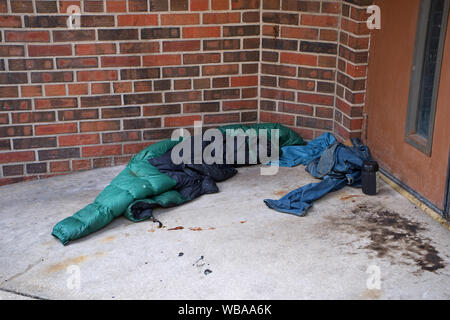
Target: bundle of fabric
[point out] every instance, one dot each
(336, 164)
(151, 179)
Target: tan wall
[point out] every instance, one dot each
(390, 63)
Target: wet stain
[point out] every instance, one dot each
(63, 265)
(71, 261)
(108, 239)
(181, 254)
(372, 294)
(350, 197)
(244, 221)
(199, 263)
(151, 230)
(391, 236)
(176, 228)
(281, 193)
(211, 228)
(196, 229)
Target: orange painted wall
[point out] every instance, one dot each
(390, 62)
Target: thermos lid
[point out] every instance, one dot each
(370, 166)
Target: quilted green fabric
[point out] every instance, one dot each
(142, 181)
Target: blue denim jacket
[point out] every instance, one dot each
(338, 166)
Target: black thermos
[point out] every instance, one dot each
(369, 177)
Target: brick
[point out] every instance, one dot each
(250, 68)
(144, 73)
(141, 123)
(59, 76)
(97, 75)
(222, 94)
(239, 105)
(121, 61)
(137, 5)
(137, 20)
(78, 89)
(13, 77)
(12, 51)
(30, 64)
(31, 91)
(46, 6)
(123, 87)
(244, 81)
(313, 73)
(95, 126)
(100, 101)
(22, 6)
(220, 69)
(52, 129)
(4, 119)
(33, 143)
(199, 5)
(162, 60)
(60, 166)
(298, 58)
(172, 72)
(100, 88)
(318, 47)
(249, 116)
(36, 168)
(280, 44)
(73, 35)
(221, 82)
(9, 92)
(182, 84)
(18, 156)
(64, 5)
(55, 103)
(69, 63)
(95, 151)
(102, 162)
(162, 85)
(10, 22)
(297, 84)
(159, 5)
(78, 165)
(300, 33)
(244, 4)
(295, 108)
(14, 170)
(157, 134)
(49, 50)
(183, 96)
(179, 5)
(27, 117)
(27, 36)
(143, 86)
(125, 136)
(160, 33)
(116, 6)
(280, 18)
(241, 56)
(250, 17)
(139, 47)
(202, 84)
(277, 94)
(56, 154)
(221, 18)
(134, 148)
(314, 123)
(201, 107)
(93, 6)
(278, 70)
(143, 98)
(241, 31)
(53, 21)
(223, 44)
(9, 105)
(109, 113)
(118, 34)
(181, 121)
(201, 32)
(285, 119)
(177, 46)
(220, 5)
(70, 115)
(95, 49)
(179, 19)
(221, 118)
(315, 99)
(88, 21)
(319, 20)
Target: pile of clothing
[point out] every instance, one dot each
(336, 164)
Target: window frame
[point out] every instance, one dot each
(424, 144)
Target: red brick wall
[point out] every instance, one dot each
(92, 97)
(313, 61)
(79, 99)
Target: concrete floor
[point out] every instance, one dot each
(252, 251)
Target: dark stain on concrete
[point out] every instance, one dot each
(391, 236)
